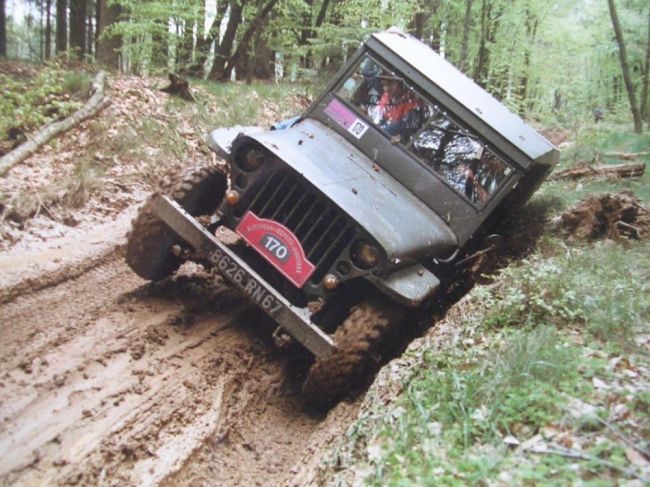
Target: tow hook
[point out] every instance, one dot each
(281, 339)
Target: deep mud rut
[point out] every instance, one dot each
(108, 380)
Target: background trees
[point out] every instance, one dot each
(558, 58)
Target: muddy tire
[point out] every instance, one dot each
(357, 339)
(199, 190)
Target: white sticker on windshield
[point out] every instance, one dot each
(358, 128)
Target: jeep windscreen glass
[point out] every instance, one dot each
(461, 159)
(386, 100)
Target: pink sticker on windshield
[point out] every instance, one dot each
(340, 113)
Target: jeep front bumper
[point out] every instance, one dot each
(295, 320)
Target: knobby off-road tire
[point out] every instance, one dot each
(357, 340)
(199, 190)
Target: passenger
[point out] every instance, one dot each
(489, 175)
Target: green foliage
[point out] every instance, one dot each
(26, 105)
(568, 290)
(461, 400)
(518, 366)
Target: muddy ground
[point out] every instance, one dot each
(108, 380)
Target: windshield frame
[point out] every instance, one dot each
(436, 109)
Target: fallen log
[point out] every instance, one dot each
(95, 103)
(178, 86)
(626, 156)
(616, 170)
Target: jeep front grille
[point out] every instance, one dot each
(322, 228)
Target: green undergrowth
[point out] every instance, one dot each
(593, 142)
(247, 104)
(27, 103)
(544, 358)
(543, 381)
(596, 144)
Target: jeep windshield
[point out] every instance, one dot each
(430, 135)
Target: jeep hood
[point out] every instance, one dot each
(404, 226)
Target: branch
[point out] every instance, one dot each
(578, 455)
(617, 433)
(95, 103)
(620, 170)
(627, 156)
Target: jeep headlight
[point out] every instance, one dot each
(251, 160)
(365, 255)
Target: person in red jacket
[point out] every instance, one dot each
(397, 111)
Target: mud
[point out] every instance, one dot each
(608, 215)
(109, 380)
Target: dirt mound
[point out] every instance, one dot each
(607, 215)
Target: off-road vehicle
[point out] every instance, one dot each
(349, 214)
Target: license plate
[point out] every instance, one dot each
(238, 276)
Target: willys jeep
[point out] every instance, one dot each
(349, 214)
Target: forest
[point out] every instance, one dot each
(561, 60)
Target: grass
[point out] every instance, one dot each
(241, 104)
(27, 104)
(545, 355)
(532, 344)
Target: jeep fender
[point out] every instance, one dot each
(408, 285)
(220, 140)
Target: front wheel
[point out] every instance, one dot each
(357, 341)
(199, 190)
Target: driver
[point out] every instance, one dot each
(397, 109)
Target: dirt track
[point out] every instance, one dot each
(108, 380)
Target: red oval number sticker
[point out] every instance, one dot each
(278, 245)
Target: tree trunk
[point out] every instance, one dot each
(41, 37)
(3, 30)
(185, 45)
(634, 170)
(222, 52)
(320, 18)
(262, 13)
(78, 27)
(531, 31)
(203, 44)
(622, 54)
(417, 25)
(95, 103)
(305, 33)
(479, 67)
(90, 34)
(160, 41)
(263, 58)
(645, 110)
(61, 26)
(108, 44)
(467, 24)
(48, 29)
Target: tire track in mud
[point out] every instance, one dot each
(107, 380)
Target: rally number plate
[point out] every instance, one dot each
(278, 245)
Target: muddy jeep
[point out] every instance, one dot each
(350, 214)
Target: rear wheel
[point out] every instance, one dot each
(357, 340)
(199, 190)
